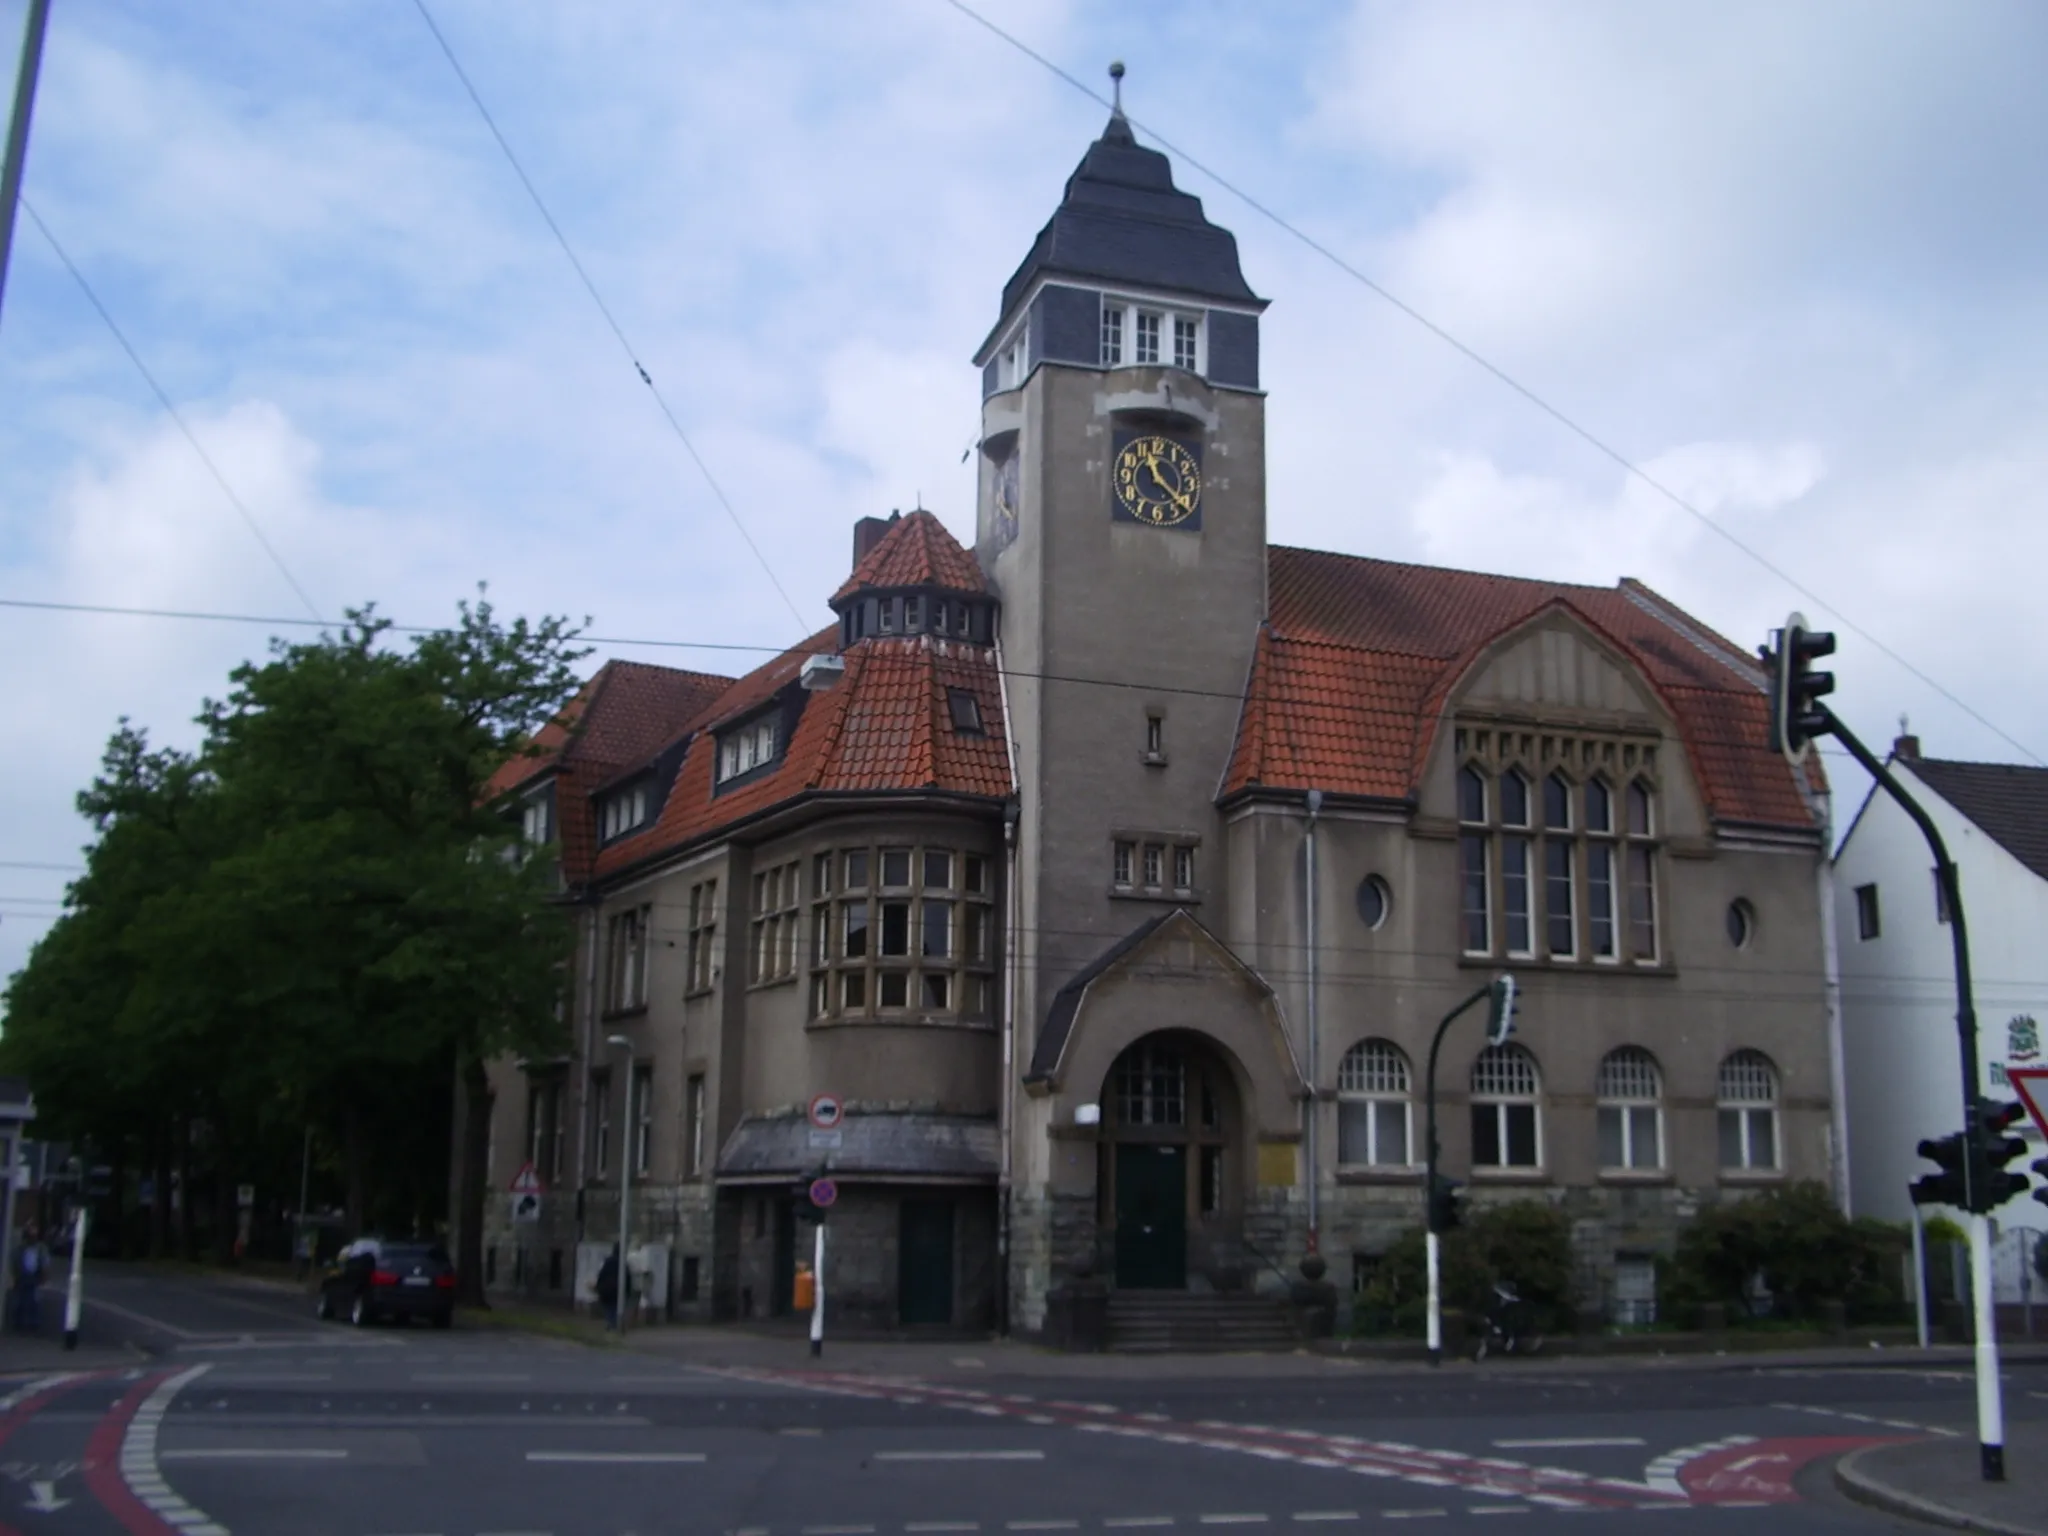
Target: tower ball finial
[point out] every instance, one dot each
(1116, 79)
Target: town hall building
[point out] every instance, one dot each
(1112, 875)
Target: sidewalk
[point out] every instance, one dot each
(44, 1354)
(1939, 1481)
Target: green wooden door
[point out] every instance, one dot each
(924, 1262)
(1151, 1217)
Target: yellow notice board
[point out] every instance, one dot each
(1276, 1163)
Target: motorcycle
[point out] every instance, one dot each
(1507, 1331)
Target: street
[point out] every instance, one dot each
(205, 1405)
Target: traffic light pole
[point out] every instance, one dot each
(1990, 1405)
(1431, 1241)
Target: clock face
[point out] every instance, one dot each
(1157, 481)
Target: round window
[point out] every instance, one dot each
(1741, 923)
(1374, 899)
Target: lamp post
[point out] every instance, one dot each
(1499, 996)
(627, 1148)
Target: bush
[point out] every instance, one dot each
(1802, 1249)
(1525, 1242)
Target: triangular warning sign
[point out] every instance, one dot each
(2031, 1084)
(525, 1181)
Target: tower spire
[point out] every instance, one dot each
(1116, 86)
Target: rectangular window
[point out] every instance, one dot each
(600, 1123)
(974, 934)
(703, 934)
(854, 925)
(1155, 737)
(980, 997)
(975, 877)
(895, 868)
(938, 870)
(1184, 334)
(1154, 860)
(1183, 869)
(965, 709)
(938, 930)
(626, 981)
(857, 870)
(693, 1127)
(938, 991)
(1559, 920)
(1473, 884)
(1514, 892)
(1642, 903)
(821, 994)
(853, 992)
(895, 928)
(894, 989)
(1504, 1136)
(1600, 899)
(1628, 1136)
(1749, 1138)
(1372, 1132)
(821, 875)
(1120, 864)
(643, 1117)
(773, 938)
(1112, 336)
(1147, 347)
(1868, 925)
(821, 934)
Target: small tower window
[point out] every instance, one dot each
(1147, 349)
(1184, 334)
(1112, 336)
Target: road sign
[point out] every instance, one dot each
(827, 1112)
(2031, 1084)
(526, 1207)
(245, 1195)
(525, 1181)
(824, 1193)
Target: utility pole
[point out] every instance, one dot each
(17, 129)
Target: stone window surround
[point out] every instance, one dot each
(1172, 847)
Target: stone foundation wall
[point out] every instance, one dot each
(536, 1261)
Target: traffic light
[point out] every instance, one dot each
(1999, 1184)
(1501, 1002)
(1446, 1205)
(1797, 715)
(1948, 1187)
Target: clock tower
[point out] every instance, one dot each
(1122, 520)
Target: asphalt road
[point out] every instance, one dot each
(233, 1409)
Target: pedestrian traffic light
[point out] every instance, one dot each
(1950, 1186)
(1797, 715)
(1446, 1205)
(1502, 1000)
(1999, 1184)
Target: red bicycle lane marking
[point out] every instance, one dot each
(28, 1407)
(1554, 1486)
(103, 1476)
(1761, 1472)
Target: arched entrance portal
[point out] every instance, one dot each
(1171, 1171)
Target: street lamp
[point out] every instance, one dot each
(627, 1148)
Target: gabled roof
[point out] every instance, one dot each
(616, 720)
(2008, 803)
(1123, 221)
(917, 551)
(1359, 656)
(885, 727)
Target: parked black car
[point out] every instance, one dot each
(373, 1278)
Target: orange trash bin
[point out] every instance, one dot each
(806, 1294)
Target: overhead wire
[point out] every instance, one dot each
(611, 320)
(177, 416)
(1500, 374)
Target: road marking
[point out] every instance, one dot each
(1041, 1525)
(253, 1453)
(1567, 1442)
(268, 1378)
(628, 1458)
(838, 1530)
(1523, 1509)
(1413, 1514)
(943, 1525)
(1231, 1519)
(134, 1482)
(959, 1456)
(1306, 1516)
(1129, 1522)
(463, 1376)
(1662, 1473)
(1865, 1418)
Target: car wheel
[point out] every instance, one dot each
(445, 1318)
(324, 1310)
(359, 1312)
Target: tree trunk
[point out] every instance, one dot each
(352, 1155)
(117, 1184)
(160, 1204)
(186, 1251)
(474, 1157)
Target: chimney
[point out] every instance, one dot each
(869, 532)
(1906, 748)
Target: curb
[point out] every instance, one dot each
(1859, 1485)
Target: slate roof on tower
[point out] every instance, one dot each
(1123, 221)
(1359, 657)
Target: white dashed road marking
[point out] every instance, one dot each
(139, 1468)
(1866, 1418)
(959, 1456)
(627, 1458)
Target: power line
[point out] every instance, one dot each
(1585, 434)
(1015, 674)
(604, 309)
(164, 400)
(62, 869)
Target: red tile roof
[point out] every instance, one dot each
(619, 718)
(886, 726)
(1359, 656)
(917, 551)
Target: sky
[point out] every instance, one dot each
(1790, 261)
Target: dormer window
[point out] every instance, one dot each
(624, 809)
(966, 711)
(746, 748)
(1147, 336)
(537, 819)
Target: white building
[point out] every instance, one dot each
(1903, 1066)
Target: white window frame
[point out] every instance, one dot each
(747, 747)
(1374, 1074)
(1500, 1099)
(1631, 1080)
(1119, 333)
(1748, 1085)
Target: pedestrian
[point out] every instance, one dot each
(31, 1261)
(608, 1286)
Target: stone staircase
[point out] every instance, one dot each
(1160, 1322)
